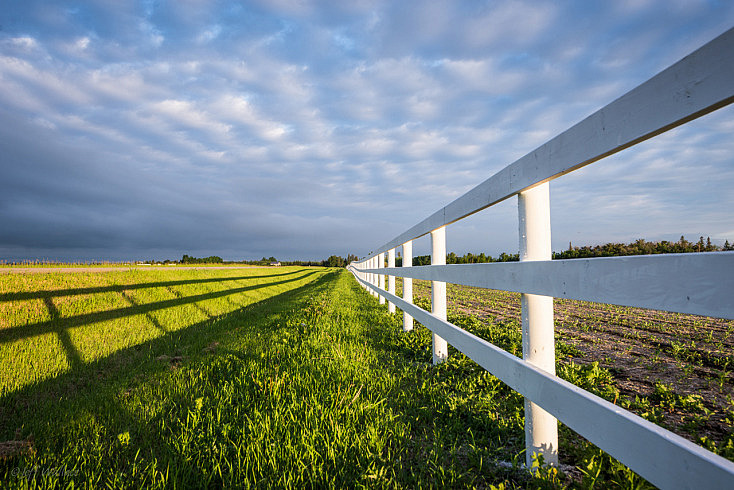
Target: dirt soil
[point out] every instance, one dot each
(692, 354)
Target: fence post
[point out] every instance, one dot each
(391, 279)
(381, 276)
(374, 276)
(538, 347)
(370, 275)
(362, 266)
(407, 284)
(438, 292)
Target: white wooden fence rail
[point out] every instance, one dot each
(688, 283)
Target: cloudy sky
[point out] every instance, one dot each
(303, 129)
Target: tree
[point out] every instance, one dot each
(335, 261)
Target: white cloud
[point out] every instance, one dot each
(185, 113)
(82, 43)
(60, 87)
(237, 109)
(209, 34)
(152, 34)
(23, 43)
(509, 24)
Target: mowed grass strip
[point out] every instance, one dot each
(52, 323)
(311, 385)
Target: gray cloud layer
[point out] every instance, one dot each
(302, 129)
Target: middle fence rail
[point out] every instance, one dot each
(699, 283)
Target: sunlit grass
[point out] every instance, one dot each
(50, 322)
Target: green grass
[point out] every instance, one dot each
(283, 378)
(51, 323)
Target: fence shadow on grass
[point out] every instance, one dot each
(60, 325)
(52, 293)
(106, 377)
(56, 324)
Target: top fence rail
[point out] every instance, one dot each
(694, 86)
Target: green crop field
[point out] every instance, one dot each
(296, 377)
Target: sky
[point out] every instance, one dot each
(297, 129)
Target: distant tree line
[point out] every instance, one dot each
(332, 261)
(638, 247)
(468, 258)
(642, 247)
(337, 261)
(186, 259)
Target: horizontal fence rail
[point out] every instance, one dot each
(699, 283)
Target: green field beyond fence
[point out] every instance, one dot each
(287, 377)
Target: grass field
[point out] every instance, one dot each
(286, 377)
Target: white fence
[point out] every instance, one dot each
(701, 283)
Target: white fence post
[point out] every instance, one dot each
(363, 275)
(438, 292)
(363, 265)
(372, 277)
(407, 284)
(538, 345)
(381, 276)
(391, 279)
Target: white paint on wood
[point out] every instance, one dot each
(663, 458)
(538, 344)
(373, 261)
(438, 292)
(375, 276)
(696, 283)
(407, 285)
(381, 275)
(391, 279)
